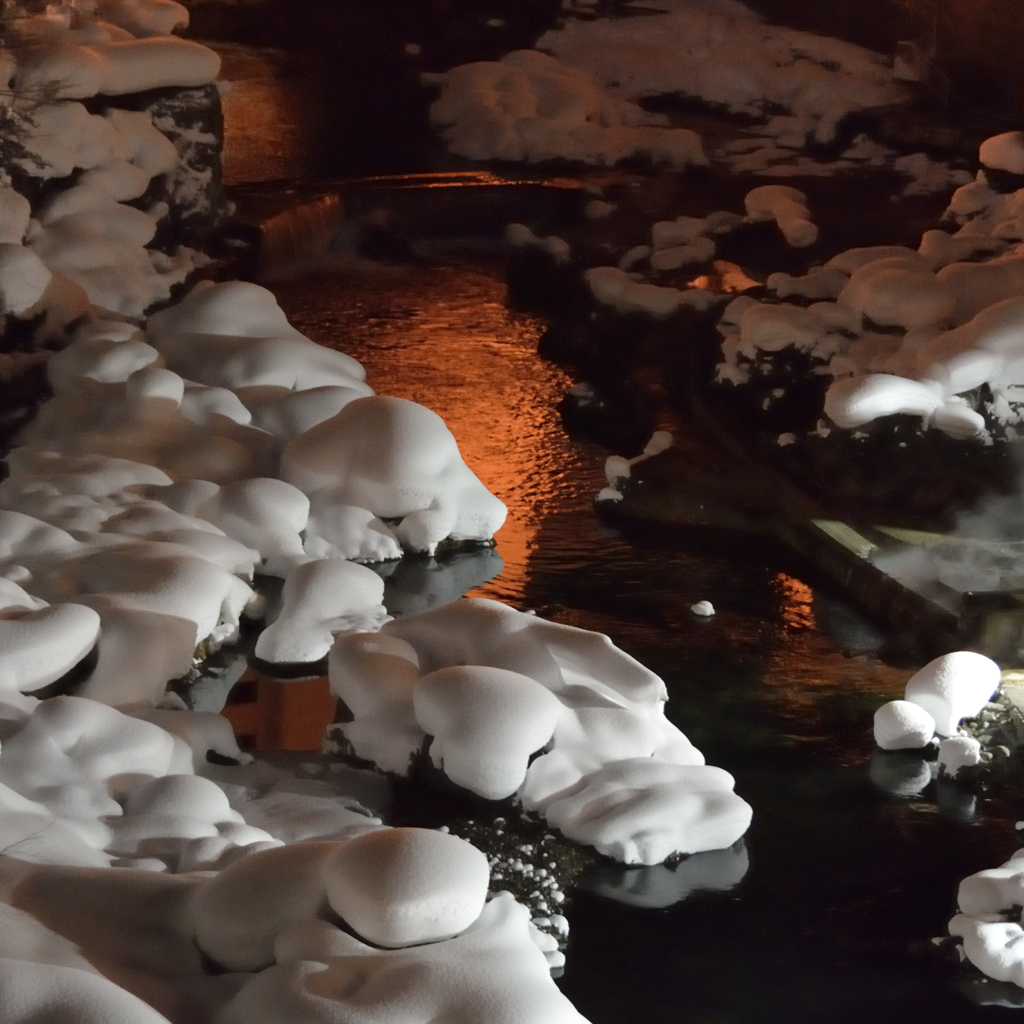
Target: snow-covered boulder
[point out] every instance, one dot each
(993, 940)
(954, 686)
(406, 886)
(643, 810)
(529, 106)
(234, 335)
(956, 752)
(788, 208)
(388, 458)
(902, 725)
(484, 725)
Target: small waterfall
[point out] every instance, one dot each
(295, 237)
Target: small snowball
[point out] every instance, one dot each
(703, 608)
(901, 725)
(958, 752)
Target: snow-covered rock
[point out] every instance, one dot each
(902, 725)
(530, 107)
(611, 767)
(954, 686)
(643, 810)
(407, 886)
(322, 599)
(484, 725)
(726, 54)
(387, 458)
(956, 752)
(788, 208)
(1003, 152)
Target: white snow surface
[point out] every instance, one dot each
(908, 331)
(723, 53)
(611, 769)
(530, 107)
(903, 725)
(993, 939)
(954, 686)
(322, 598)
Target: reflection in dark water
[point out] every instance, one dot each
(663, 885)
(271, 714)
(418, 584)
(901, 772)
(844, 880)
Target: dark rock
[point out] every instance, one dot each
(194, 190)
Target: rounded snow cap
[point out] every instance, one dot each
(1004, 152)
(954, 686)
(407, 886)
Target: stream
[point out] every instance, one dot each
(845, 884)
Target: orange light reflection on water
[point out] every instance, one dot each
(436, 338)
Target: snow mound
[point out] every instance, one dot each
(610, 763)
(386, 459)
(903, 725)
(407, 886)
(993, 939)
(954, 686)
(724, 54)
(322, 599)
(530, 107)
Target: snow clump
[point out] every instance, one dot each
(989, 923)
(554, 716)
(948, 689)
(530, 107)
(725, 55)
(932, 332)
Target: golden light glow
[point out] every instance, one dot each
(795, 609)
(280, 715)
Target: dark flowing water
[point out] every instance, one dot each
(846, 883)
